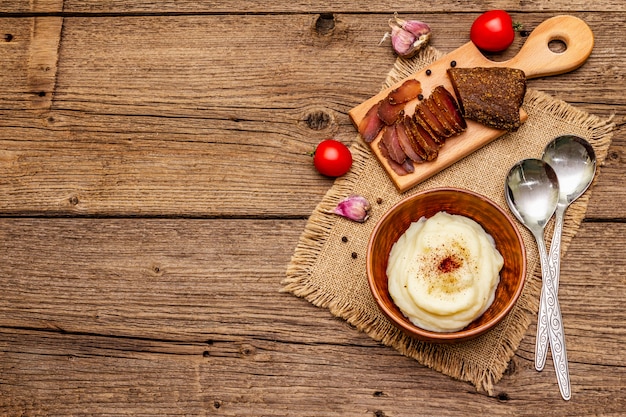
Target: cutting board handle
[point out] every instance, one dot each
(537, 60)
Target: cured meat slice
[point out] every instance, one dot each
(415, 145)
(408, 166)
(440, 116)
(371, 124)
(390, 139)
(400, 169)
(427, 116)
(490, 95)
(425, 140)
(446, 102)
(407, 91)
(389, 112)
(405, 142)
(430, 144)
(419, 120)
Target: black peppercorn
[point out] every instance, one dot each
(379, 200)
(420, 96)
(354, 255)
(453, 64)
(344, 239)
(428, 72)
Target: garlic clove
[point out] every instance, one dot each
(354, 207)
(417, 28)
(402, 41)
(408, 36)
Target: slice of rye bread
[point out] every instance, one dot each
(491, 96)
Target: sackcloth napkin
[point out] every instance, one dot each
(329, 271)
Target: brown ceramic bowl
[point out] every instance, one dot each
(492, 218)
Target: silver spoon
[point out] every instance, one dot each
(574, 161)
(532, 193)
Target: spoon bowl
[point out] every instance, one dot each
(574, 161)
(532, 193)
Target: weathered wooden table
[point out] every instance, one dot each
(154, 181)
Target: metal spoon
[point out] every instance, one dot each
(532, 193)
(574, 161)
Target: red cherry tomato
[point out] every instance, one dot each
(332, 158)
(493, 31)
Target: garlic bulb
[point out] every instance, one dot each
(407, 36)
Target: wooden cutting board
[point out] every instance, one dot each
(534, 58)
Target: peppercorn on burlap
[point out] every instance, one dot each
(329, 271)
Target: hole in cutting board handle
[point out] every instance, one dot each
(558, 46)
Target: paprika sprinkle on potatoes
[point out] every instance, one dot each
(449, 264)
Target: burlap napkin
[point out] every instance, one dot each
(328, 266)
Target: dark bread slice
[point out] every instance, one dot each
(491, 96)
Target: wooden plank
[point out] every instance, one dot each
(68, 375)
(183, 317)
(170, 166)
(139, 173)
(221, 130)
(123, 64)
(257, 6)
(122, 276)
(178, 275)
(108, 65)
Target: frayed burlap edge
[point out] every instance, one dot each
(315, 235)
(441, 358)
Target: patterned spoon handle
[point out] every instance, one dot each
(554, 267)
(555, 328)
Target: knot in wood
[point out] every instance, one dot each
(503, 396)
(247, 350)
(511, 368)
(318, 120)
(325, 23)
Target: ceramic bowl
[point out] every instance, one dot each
(491, 217)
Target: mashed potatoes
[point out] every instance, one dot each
(443, 272)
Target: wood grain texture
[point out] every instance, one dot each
(128, 135)
(175, 317)
(151, 200)
(264, 6)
